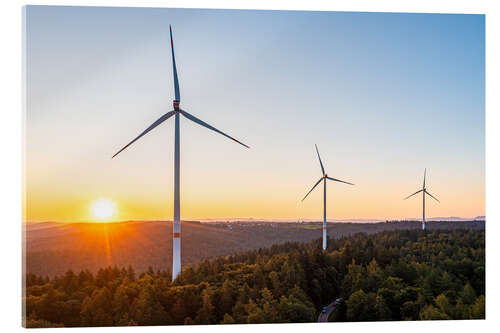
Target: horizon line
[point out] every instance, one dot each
(278, 220)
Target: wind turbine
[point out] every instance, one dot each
(176, 262)
(323, 178)
(424, 192)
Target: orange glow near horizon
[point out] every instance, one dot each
(342, 203)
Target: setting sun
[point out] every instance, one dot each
(103, 209)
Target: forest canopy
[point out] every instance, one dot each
(391, 275)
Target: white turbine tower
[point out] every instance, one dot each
(323, 178)
(176, 264)
(424, 192)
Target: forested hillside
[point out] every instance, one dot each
(391, 275)
(54, 248)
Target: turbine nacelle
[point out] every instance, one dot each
(177, 105)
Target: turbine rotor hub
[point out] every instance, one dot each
(176, 105)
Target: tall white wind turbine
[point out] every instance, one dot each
(176, 264)
(424, 192)
(323, 178)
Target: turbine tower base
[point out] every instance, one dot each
(176, 264)
(324, 237)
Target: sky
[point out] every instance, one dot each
(383, 95)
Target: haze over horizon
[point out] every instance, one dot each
(283, 220)
(384, 95)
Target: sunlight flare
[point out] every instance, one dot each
(103, 209)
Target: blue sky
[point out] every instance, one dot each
(383, 95)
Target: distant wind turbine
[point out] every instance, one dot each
(176, 264)
(424, 192)
(324, 178)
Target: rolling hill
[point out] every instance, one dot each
(53, 248)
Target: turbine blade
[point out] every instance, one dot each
(425, 171)
(204, 124)
(413, 194)
(153, 125)
(321, 163)
(432, 196)
(313, 188)
(338, 180)
(176, 80)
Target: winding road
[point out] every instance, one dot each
(323, 316)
